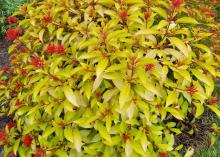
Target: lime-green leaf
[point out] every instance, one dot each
(172, 98)
(189, 20)
(124, 94)
(77, 140)
(71, 97)
(215, 109)
(101, 66)
(41, 34)
(61, 153)
(59, 33)
(16, 146)
(103, 132)
(68, 106)
(202, 77)
(68, 134)
(176, 113)
(180, 45)
(203, 47)
(39, 85)
(199, 109)
(160, 11)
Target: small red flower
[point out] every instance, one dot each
(149, 67)
(177, 3)
(3, 136)
(39, 152)
(18, 85)
(210, 14)
(147, 15)
(22, 50)
(213, 101)
(13, 92)
(18, 102)
(37, 62)
(23, 72)
(47, 19)
(11, 125)
(5, 69)
(123, 15)
(12, 19)
(27, 140)
(60, 49)
(12, 34)
(192, 90)
(163, 154)
(3, 83)
(12, 58)
(51, 49)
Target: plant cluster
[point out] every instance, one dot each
(7, 8)
(106, 78)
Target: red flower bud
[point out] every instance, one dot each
(5, 69)
(149, 67)
(23, 72)
(125, 137)
(147, 15)
(18, 102)
(123, 15)
(3, 137)
(12, 34)
(12, 58)
(39, 152)
(12, 19)
(177, 3)
(11, 125)
(37, 62)
(213, 101)
(47, 19)
(3, 83)
(163, 154)
(12, 154)
(18, 85)
(191, 90)
(27, 140)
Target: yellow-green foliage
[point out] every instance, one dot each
(106, 78)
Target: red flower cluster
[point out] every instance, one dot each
(123, 15)
(5, 69)
(11, 125)
(147, 15)
(210, 14)
(12, 58)
(57, 49)
(12, 34)
(3, 136)
(192, 90)
(47, 19)
(27, 140)
(22, 50)
(40, 152)
(37, 62)
(177, 3)
(214, 101)
(3, 83)
(149, 67)
(12, 19)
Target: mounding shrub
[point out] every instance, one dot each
(105, 78)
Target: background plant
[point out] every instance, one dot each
(7, 8)
(106, 78)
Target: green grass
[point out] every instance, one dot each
(213, 151)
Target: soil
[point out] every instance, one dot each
(4, 61)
